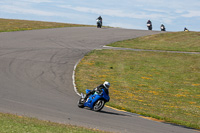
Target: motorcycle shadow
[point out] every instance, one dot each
(104, 28)
(113, 113)
(127, 114)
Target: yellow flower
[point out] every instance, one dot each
(195, 84)
(180, 95)
(146, 78)
(192, 102)
(198, 106)
(102, 76)
(123, 108)
(154, 92)
(141, 85)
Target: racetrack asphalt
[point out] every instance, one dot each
(36, 70)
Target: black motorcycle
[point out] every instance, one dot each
(99, 23)
(162, 27)
(149, 26)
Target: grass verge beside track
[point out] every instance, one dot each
(7, 25)
(18, 124)
(165, 86)
(174, 41)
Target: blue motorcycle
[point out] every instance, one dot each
(95, 101)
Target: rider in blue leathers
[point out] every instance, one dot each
(99, 89)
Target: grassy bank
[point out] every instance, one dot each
(174, 41)
(18, 124)
(164, 86)
(7, 25)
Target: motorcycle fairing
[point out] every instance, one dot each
(95, 97)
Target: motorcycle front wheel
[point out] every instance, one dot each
(81, 103)
(98, 105)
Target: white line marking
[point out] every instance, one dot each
(73, 78)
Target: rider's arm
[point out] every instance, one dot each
(98, 89)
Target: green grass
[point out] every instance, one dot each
(173, 41)
(7, 25)
(164, 86)
(18, 124)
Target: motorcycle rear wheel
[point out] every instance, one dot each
(98, 105)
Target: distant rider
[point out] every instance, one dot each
(162, 27)
(185, 29)
(101, 20)
(149, 25)
(105, 86)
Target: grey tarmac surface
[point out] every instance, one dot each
(36, 78)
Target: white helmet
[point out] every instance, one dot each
(106, 84)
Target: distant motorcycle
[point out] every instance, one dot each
(149, 26)
(95, 101)
(162, 27)
(99, 23)
(185, 29)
